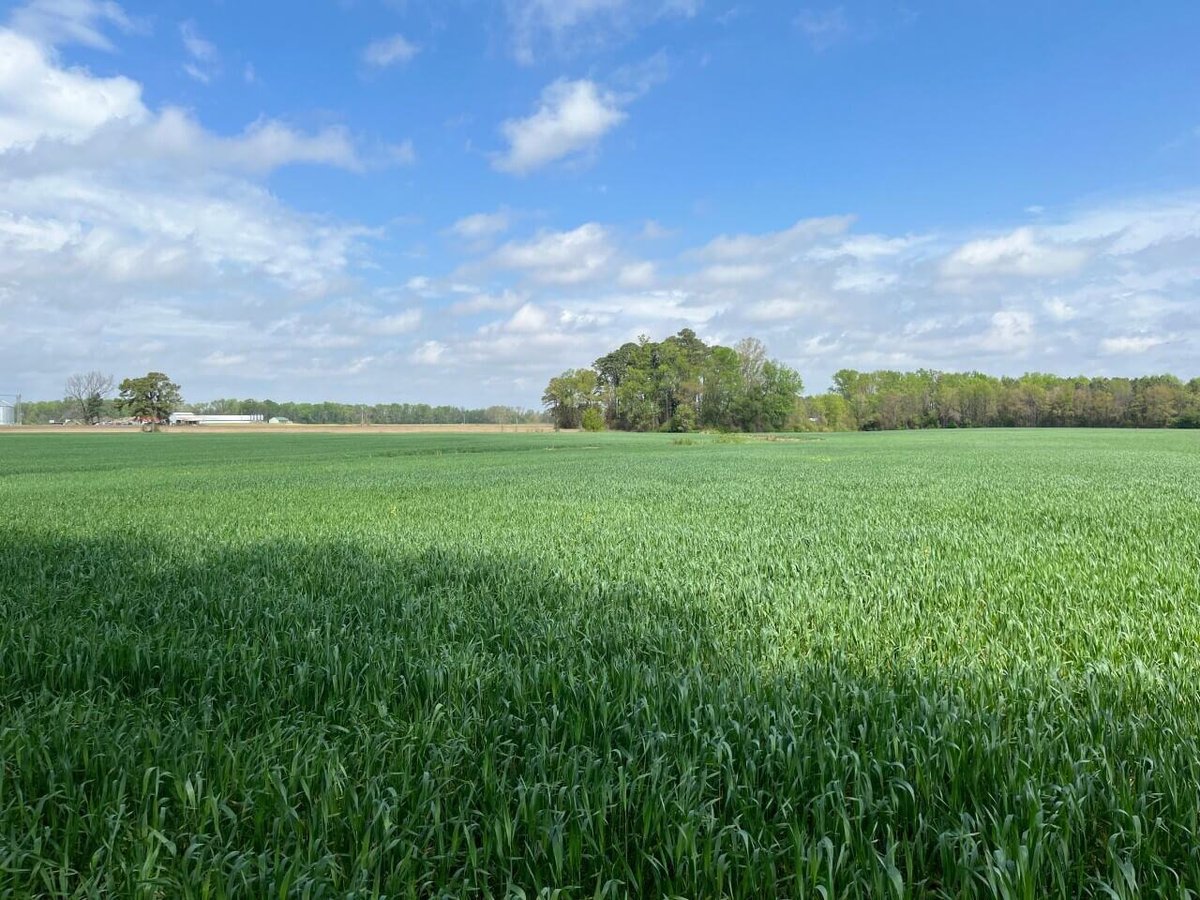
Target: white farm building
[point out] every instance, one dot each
(187, 418)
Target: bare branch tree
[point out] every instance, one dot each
(87, 391)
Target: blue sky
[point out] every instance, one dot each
(452, 201)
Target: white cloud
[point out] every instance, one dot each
(560, 257)
(1131, 344)
(481, 303)
(478, 226)
(399, 323)
(1059, 310)
(733, 274)
(571, 118)
(778, 309)
(636, 275)
(529, 318)
(263, 146)
(224, 360)
(430, 353)
(39, 100)
(1019, 253)
(1010, 331)
(56, 22)
(805, 233)
(97, 230)
(87, 121)
(389, 51)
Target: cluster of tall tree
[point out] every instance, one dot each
(150, 398)
(678, 384)
(886, 400)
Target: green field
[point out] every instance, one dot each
(936, 664)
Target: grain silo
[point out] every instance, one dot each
(8, 412)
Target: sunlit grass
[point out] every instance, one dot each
(937, 664)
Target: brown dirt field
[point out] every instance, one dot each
(283, 429)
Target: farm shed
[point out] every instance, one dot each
(187, 418)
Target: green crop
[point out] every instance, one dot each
(939, 664)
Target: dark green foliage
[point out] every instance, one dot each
(151, 398)
(922, 665)
(680, 384)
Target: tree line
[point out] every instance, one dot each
(682, 384)
(886, 400)
(88, 398)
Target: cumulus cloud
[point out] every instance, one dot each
(1075, 293)
(40, 100)
(141, 236)
(389, 51)
(1010, 331)
(572, 117)
(1059, 310)
(560, 257)
(82, 120)
(429, 353)
(529, 318)
(1019, 252)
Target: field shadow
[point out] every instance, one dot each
(529, 722)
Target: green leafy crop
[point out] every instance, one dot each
(937, 664)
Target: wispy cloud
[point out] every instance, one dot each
(570, 26)
(482, 225)
(203, 62)
(823, 28)
(55, 22)
(389, 51)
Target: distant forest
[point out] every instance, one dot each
(45, 411)
(683, 384)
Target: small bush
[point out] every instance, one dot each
(593, 420)
(684, 419)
